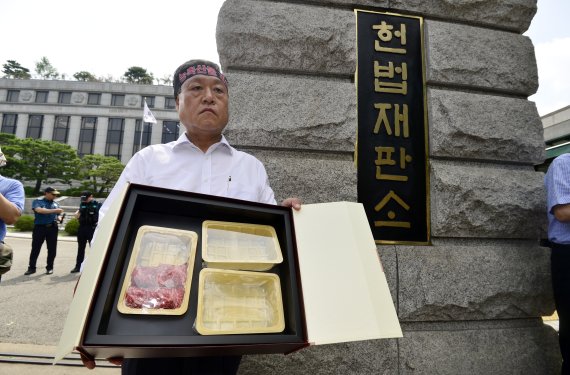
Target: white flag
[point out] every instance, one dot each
(147, 114)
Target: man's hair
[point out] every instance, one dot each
(195, 67)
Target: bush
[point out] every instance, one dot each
(72, 227)
(25, 223)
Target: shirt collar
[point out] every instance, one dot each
(183, 139)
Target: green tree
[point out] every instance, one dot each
(11, 147)
(41, 161)
(166, 80)
(99, 173)
(13, 69)
(85, 76)
(45, 70)
(136, 74)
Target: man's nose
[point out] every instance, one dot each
(208, 95)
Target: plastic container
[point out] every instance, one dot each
(239, 302)
(159, 274)
(240, 246)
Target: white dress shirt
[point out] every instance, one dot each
(181, 165)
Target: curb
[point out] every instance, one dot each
(29, 235)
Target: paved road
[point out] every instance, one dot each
(34, 308)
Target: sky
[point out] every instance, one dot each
(106, 37)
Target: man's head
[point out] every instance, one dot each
(192, 68)
(86, 196)
(201, 93)
(50, 193)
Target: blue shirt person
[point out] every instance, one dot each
(46, 212)
(557, 183)
(12, 200)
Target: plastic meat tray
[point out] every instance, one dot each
(240, 246)
(239, 302)
(159, 275)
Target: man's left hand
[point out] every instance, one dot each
(292, 202)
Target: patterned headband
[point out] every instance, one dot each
(200, 69)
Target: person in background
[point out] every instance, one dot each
(200, 161)
(12, 200)
(88, 217)
(47, 217)
(557, 183)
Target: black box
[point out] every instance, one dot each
(109, 333)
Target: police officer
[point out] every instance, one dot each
(47, 216)
(88, 216)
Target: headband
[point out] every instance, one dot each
(200, 69)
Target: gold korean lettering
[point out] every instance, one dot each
(388, 71)
(384, 157)
(400, 119)
(385, 35)
(391, 215)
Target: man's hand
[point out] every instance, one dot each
(89, 361)
(292, 202)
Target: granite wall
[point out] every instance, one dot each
(471, 302)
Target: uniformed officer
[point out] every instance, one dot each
(88, 216)
(46, 212)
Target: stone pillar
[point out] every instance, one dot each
(101, 135)
(128, 140)
(49, 122)
(22, 125)
(74, 131)
(471, 302)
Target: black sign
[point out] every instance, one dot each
(392, 157)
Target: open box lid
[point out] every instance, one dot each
(345, 292)
(79, 308)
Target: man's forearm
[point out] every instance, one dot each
(9, 213)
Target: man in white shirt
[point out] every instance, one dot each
(200, 161)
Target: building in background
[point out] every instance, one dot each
(93, 117)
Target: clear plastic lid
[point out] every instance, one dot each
(159, 274)
(240, 246)
(239, 302)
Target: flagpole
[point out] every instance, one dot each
(142, 127)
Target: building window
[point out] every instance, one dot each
(94, 99)
(87, 135)
(149, 101)
(61, 129)
(169, 103)
(64, 98)
(13, 96)
(169, 131)
(145, 139)
(35, 126)
(117, 100)
(114, 137)
(9, 122)
(41, 96)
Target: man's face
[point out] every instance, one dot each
(202, 106)
(50, 196)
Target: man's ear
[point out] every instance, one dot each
(176, 100)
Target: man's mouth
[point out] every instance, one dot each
(208, 110)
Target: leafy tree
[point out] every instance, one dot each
(10, 147)
(85, 76)
(166, 80)
(39, 160)
(13, 69)
(100, 172)
(136, 74)
(45, 70)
